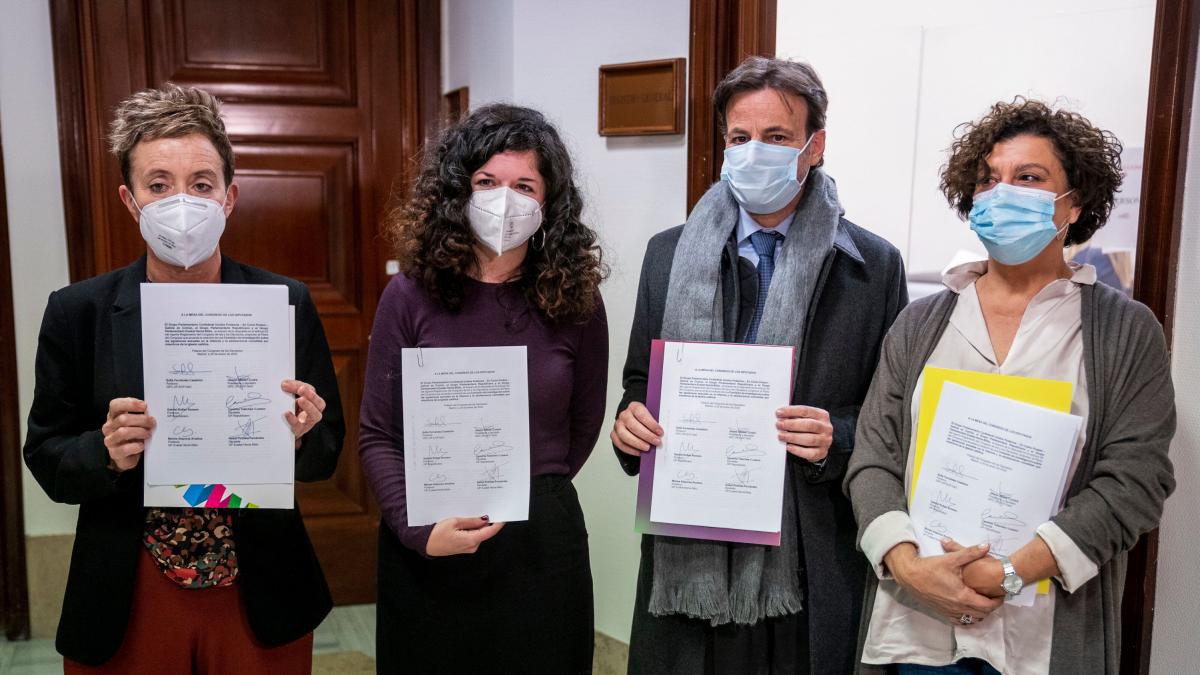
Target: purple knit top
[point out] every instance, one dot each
(568, 370)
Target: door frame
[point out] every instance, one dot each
(724, 32)
(1168, 125)
(14, 581)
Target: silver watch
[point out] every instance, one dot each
(1012, 583)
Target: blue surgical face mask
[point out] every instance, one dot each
(1015, 223)
(762, 176)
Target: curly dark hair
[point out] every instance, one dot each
(433, 238)
(1090, 156)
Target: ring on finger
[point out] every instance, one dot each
(966, 619)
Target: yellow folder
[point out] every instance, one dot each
(1052, 394)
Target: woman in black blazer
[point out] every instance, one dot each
(172, 590)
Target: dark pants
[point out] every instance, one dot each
(521, 604)
(963, 667)
(677, 645)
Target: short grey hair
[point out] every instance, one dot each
(169, 112)
(791, 77)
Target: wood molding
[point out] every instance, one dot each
(67, 18)
(723, 34)
(14, 584)
(1168, 118)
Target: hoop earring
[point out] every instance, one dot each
(534, 243)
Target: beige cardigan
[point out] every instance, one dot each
(1118, 490)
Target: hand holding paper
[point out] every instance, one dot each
(310, 405)
(126, 431)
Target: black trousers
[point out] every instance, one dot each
(521, 604)
(677, 645)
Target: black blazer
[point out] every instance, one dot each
(90, 352)
(860, 290)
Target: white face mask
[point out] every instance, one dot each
(182, 230)
(762, 176)
(503, 219)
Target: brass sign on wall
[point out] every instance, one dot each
(642, 98)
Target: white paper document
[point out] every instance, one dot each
(994, 470)
(722, 463)
(466, 433)
(213, 359)
(229, 496)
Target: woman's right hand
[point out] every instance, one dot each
(636, 430)
(938, 581)
(454, 536)
(126, 431)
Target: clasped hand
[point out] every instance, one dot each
(960, 582)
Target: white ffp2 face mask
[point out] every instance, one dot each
(182, 230)
(503, 219)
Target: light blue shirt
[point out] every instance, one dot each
(747, 227)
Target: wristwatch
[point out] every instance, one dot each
(1012, 583)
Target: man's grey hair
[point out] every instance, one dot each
(792, 77)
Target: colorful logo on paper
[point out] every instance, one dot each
(215, 496)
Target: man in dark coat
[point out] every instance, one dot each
(837, 288)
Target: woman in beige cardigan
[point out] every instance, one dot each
(1032, 180)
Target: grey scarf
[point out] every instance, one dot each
(717, 581)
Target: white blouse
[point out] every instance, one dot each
(1016, 640)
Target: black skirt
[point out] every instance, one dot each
(522, 603)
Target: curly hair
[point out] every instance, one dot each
(1090, 156)
(169, 112)
(434, 241)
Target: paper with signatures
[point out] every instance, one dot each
(228, 495)
(213, 359)
(466, 433)
(994, 469)
(721, 464)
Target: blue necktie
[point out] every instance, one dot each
(764, 242)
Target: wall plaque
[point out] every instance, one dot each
(642, 98)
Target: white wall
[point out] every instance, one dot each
(1177, 611)
(37, 239)
(477, 48)
(901, 76)
(634, 188)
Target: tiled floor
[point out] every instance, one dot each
(346, 629)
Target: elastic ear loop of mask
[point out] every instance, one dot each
(1058, 231)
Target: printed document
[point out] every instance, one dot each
(213, 359)
(466, 433)
(993, 470)
(722, 463)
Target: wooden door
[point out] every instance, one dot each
(325, 102)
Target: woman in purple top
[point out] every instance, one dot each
(493, 253)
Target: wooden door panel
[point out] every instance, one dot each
(296, 216)
(324, 106)
(295, 51)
